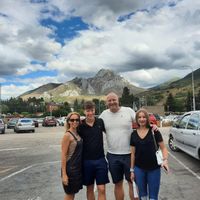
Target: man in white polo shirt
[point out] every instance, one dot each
(118, 126)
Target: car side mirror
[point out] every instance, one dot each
(177, 126)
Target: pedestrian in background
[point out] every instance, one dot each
(144, 167)
(71, 157)
(95, 167)
(118, 126)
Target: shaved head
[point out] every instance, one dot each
(112, 101)
(112, 94)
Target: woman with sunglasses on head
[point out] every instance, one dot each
(71, 157)
(144, 167)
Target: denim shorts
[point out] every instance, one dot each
(119, 166)
(95, 170)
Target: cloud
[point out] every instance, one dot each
(145, 41)
(151, 76)
(22, 38)
(103, 13)
(153, 37)
(14, 89)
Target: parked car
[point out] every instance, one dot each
(61, 121)
(49, 121)
(11, 123)
(24, 124)
(2, 126)
(36, 123)
(152, 120)
(185, 134)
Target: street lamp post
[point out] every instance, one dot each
(193, 94)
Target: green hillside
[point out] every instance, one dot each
(178, 88)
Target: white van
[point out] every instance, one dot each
(185, 134)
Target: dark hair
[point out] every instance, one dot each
(146, 115)
(88, 105)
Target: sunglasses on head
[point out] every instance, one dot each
(73, 120)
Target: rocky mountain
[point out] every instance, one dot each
(99, 85)
(38, 92)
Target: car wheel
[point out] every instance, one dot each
(171, 144)
(33, 131)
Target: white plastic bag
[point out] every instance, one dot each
(135, 190)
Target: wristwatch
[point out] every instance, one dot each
(131, 169)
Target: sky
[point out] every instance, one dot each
(147, 42)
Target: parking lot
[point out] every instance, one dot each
(30, 168)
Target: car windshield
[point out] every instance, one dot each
(25, 120)
(49, 118)
(13, 120)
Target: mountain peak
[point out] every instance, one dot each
(102, 83)
(105, 73)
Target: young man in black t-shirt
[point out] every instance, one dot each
(94, 163)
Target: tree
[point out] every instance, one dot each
(198, 101)
(126, 99)
(188, 102)
(170, 103)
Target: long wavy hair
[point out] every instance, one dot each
(142, 110)
(69, 117)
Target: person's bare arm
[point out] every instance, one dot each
(132, 163)
(64, 149)
(165, 156)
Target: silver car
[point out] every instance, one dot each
(2, 126)
(25, 125)
(185, 134)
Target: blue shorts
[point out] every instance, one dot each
(119, 166)
(95, 170)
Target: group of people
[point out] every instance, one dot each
(130, 154)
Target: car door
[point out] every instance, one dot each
(191, 133)
(179, 130)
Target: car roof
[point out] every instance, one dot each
(193, 111)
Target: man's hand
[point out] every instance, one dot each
(154, 127)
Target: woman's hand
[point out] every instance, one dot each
(165, 165)
(132, 176)
(65, 180)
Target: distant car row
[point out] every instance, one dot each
(26, 124)
(12, 122)
(19, 125)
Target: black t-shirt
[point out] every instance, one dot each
(145, 149)
(92, 139)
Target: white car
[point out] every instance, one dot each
(2, 126)
(61, 121)
(185, 134)
(25, 125)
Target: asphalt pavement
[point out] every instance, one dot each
(30, 169)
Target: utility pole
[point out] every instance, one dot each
(193, 94)
(0, 101)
